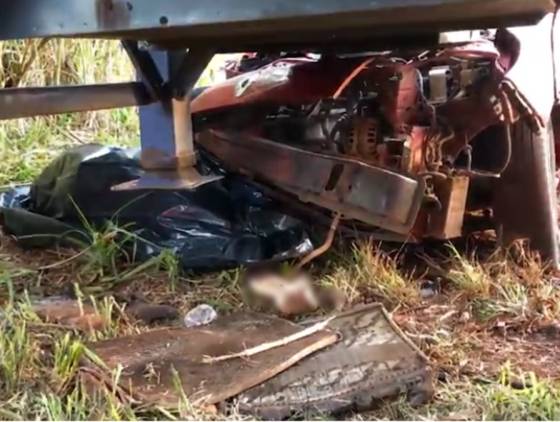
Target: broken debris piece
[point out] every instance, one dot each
(139, 308)
(373, 360)
(360, 358)
(69, 313)
(150, 313)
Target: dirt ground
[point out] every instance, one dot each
(488, 323)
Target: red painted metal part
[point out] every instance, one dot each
(297, 81)
(286, 81)
(520, 92)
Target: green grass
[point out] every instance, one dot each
(368, 271)
(67, 354)
(17, 352)
(494, 399)
(40, 368)
(27, 145)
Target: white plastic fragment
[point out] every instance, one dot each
(201, 315)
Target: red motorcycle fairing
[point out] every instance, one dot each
(292, 81)
(304, 80)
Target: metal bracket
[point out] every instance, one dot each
(168, 152)
(145, 68)
(186, 70)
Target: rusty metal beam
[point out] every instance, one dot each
(373, 195)
(27, 102)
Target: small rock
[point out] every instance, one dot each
(427, 293)
(150, 313)
(519, 384)
(201, 315)
(465, 317)
(429, 289)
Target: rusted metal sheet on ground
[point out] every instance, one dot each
(373, 360)
(150, 360)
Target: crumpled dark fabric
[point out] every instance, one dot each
(220, 225)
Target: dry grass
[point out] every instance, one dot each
(370, 272)
(26, 145)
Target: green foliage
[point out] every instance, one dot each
(468, 275)
(17, 352)
(67, 354)
(539, 400)
(27, 145)
(169, 263)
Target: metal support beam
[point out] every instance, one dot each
(257, 23)
(186, 70)
(28, 102)
(166, 127)
(360, 191)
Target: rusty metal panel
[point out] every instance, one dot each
(525, 202)
(447, 223)
(374, 195)
(154, 361)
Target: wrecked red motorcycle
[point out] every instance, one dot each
(430, 143)
(366, 113)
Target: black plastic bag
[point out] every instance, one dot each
(220, 225)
